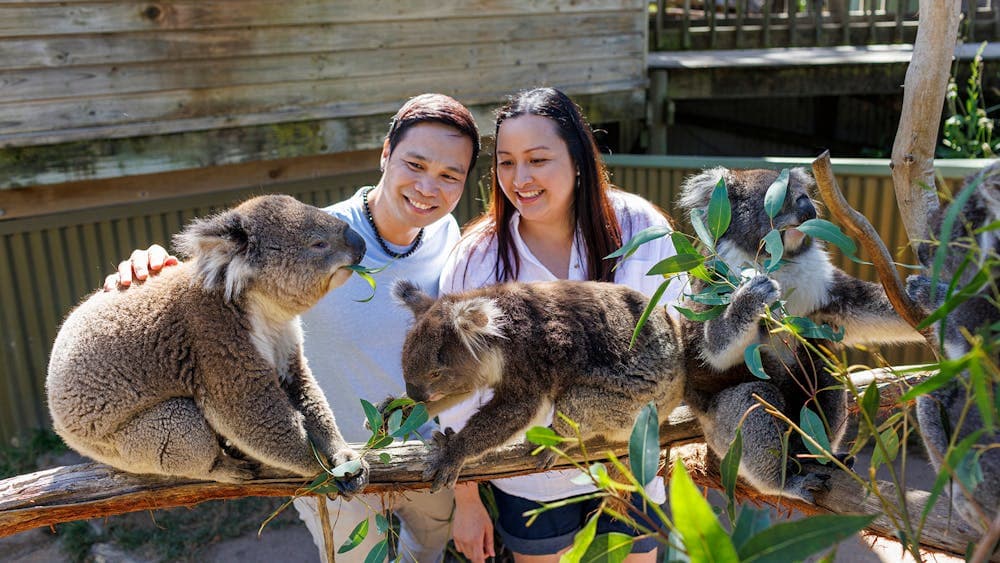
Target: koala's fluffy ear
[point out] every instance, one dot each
(475, 320)
(410, 294)
(696, 191)
(219, 245)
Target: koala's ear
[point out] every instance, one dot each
(410, 294)
(219, 244)
(475, 320)
(696, 191)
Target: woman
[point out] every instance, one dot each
(553, 215)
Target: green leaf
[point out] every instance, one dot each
(805, 327)
(950, 216)
(543, 436)
(749, 522)
(947, 370)
(347, 468)
(698, 222)
(981, 278)
(774, 199)
(650, 307)
(612, 547)
(378, 552)
(968, 470)
(812, 425)
(379, 442)
(371, 413)
(357, 536)
(365, 274)
(644, 445)
(824, 230)
(982, 391)
(751, 356)
(720, 211)
(870, 401)
(384, 457)
(703, 536)
(730, 470)
(676, 264)
(581, 541)
(774, 247)
(381, 523)
(395, 419)
(681, 243)
(792, 541)
(890, 440)
(706, 315)
(399, 403)
(418, 417)
(713, 295)
(640, 238)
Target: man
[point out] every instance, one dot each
(354, 347)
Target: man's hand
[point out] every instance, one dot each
(140, 266)
(472, 528)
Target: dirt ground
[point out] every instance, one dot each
(288, 541)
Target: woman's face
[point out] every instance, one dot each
(535, 170)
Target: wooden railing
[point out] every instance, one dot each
(748, 24)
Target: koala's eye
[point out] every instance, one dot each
(321, 245)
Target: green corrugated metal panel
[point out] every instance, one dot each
(53, 261)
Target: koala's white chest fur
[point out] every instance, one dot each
(805, 280)
(274, 333)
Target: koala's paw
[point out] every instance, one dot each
(803, 486)
(442, 469)
(233, 470)
(757, 294)
(918, 288)
(546, 459)
(845, 458)
(355, 482)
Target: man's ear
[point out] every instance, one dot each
(385, 155)
(220, 246)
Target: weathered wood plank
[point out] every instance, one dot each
(121, 48)
(356, 66)
(193, 109)
(24, 19)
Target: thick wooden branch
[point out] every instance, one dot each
(923, 99)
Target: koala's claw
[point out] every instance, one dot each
(442, 471)
(546, 459)
(764, 289)
(232, 470)
(803, 486)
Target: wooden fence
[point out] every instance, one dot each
(741, 24)
(53, 261)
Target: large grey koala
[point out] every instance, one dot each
(720, 387)
(537, 345)
(940, 413)
(168, 377)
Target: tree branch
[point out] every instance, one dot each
(923, 98)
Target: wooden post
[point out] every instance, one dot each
(658, 111)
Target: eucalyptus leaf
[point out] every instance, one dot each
(982, 390)
(395, 419)
(890, 441)
(676, 264)
(381, 523)
(870, 401)
(793, 541)
(704, 538)
(581, 541)
(720, 211)
(774, 198)
(358, 535)
(705, 315)
(365, 274)
(371, 413)
(730, 469)
(749, 523)
(644, 445)
(379, 442)
(378, 552)
(384, 457)
(418, 417)
(953, 458)
(981, 278)
(650, 307)
(950, 216)
(812, 425)
(947, 370)
(698, 222)
(543, 436)
(751, 357)
(347, 468)
(640, 238)
(612, 547)
(774, 247)
(824, 230)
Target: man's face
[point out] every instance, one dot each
(425, 173)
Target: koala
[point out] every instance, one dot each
(169, 377)
(941, 410)
(719, 386)
(537, 345)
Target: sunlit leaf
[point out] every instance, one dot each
(704, 538)
(730, 469)
(644, 445)
(948, 369)
(751, 356)
(812, 425)
(371, 413)
(774, 199)
(720, 211)
(378, 442)
(365, 274)
(640, 238)
(543, 436)
(612, 547)
(698, 222)
(982, 390)
(805, 327)
(347, 468)
(676, 264)
(792, 541)
(870, 401)
(418, 417)
(395, 419)
(581, 541)
(358, 535)
(706, 315)
(824, 230)
(654, 302)
(774, 247)
(890, 441)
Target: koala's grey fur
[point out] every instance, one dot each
(939, 411)
(537, 345)
(165, 377)
(719, 385)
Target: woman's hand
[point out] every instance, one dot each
(140, 266)
(471, 527)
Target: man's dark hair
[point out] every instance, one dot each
(435, 108)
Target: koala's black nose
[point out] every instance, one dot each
(415, 393)
(805, 209)
(356, 243)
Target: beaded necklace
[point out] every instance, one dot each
(378, 236)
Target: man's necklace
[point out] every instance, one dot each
(378, 236)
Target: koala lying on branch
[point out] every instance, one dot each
(163, 377)
(537, 345)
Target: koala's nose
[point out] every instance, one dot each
(805, 209)
(416, 393)
(355, 243)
